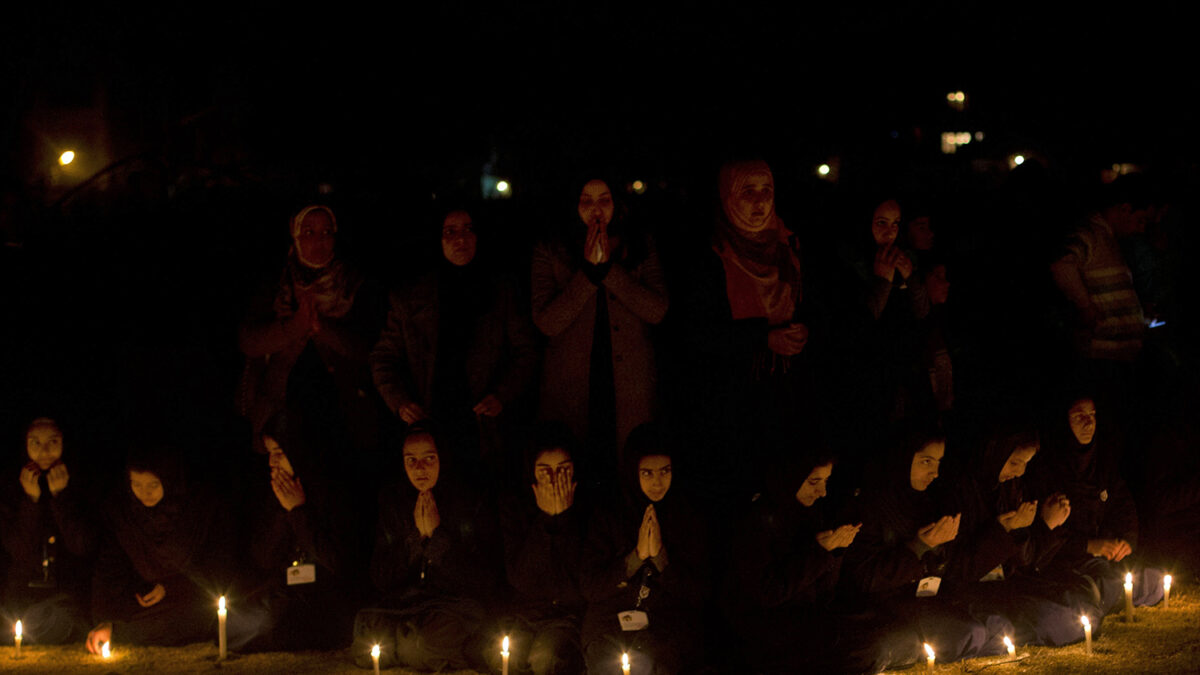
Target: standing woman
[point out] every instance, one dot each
(307, 341)
(645, 568)
(597, 289)
(49, 536)
(154, 580)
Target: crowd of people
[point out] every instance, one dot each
(470, 455)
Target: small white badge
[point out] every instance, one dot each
(928, 587)
(633, 620)
(1104, 495)
(301, 574)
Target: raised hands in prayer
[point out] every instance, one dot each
(839, 538)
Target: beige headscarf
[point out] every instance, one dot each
(762, 273)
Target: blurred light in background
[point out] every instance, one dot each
(67, 157)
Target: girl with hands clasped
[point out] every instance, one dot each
(645, 572)
(49, 536)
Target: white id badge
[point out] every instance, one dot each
(301, 574)
(633, 620)
(997, 574)
(928, 587)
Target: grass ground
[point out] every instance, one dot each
(1159, 641)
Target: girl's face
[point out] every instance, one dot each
(146, 487)
(1082, 418)
(920, 233)
(596, 204)
(421, 461)
(314, 241)
(885, 223)
(654, 475)
(925, 465)
(551, 464)
(275, 457)
(458, 238)
(814, 486)
(43, 442)
(754, 202)
(1017, 461)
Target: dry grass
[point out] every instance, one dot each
(1160, 641)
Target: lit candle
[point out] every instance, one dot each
(18, 630)
(1129, 596)
(1087, 634)
(221, 627)
(624, 664)
(929, 657)
(375, 658)
(1008, 644)
(504, 655)
(1167, 591)
(105, 650)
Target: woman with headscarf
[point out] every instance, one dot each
(307, 342)
(457, 348)
(749, 316)
(432, 567)
(155, 580)
(544, 524)
(297, 542)
(597, 289)
(50, 537)
(1083, 463)
(780, 594)
(906, 558)
(645, 567)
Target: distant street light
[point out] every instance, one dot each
(823, 170)
(1019, 160)
(66, 158)
(502, 186)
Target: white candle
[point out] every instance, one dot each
(1087, 634)
(18, 631)
(105, 650)
(625, 664)
(375, 658)
(1167, 591)
(504, 655)
(930, 660)
(1008, 644)
(221, 627)
(1129, 596)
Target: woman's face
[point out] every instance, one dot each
(754, 201)
(43, 442)
(421, 461)
(885, 223)
(314, 241)
(146, 487)
(458, 238)
(654, 474)
(1017, 461)
(275, 457)
(1082, 417)
(551, 464)
(596, 204)
(925, 465)
(814, 486)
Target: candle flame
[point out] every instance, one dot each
(928, 650)
(504, 645)
(625, 661)
(1008, 644)
(221, 603)
(105, 650)
(1129, 578)
(19, 628)
(1167, 581)
(375, 651)
(1086, 622)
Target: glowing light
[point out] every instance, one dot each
(625, 664)
(823, 170)
(19, 630)
(638, 186)
(1008, 644)
(1166, 591)
(504, 645)
(502, 186)
(979, 135)
(221, 604)
(1086, 623)
(67, 157)
(1018, 160)
(375, 652)
(106, 650)
(930, 660)
(1087, 634)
